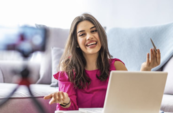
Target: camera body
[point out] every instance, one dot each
(24, 39)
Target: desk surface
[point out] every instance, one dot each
(75, 111)
(85, 110)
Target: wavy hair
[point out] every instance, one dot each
(73, 61)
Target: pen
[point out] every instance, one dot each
(155, 49)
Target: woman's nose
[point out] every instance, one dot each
(89, 36)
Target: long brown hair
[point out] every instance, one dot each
(73, 61)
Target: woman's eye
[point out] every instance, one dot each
(94, 31)
(82, 34)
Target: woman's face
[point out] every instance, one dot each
(88, 38)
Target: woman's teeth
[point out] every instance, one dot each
(91, 44)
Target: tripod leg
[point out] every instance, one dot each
(8, 97)
(38, 105)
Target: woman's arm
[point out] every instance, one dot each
(68, 92)
(120, 66)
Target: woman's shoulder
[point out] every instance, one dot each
(113, 60)
(61, 76)
(117, 64)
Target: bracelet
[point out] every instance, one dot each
(64, 105)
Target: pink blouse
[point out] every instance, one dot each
(92, 96)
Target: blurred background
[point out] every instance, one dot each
(60, 13)
(56, 16)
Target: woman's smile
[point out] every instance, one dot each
(91, 44)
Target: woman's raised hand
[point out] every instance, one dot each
(58, 97)
(153, 60)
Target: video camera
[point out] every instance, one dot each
(24, 39)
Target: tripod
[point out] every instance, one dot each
(25, 45)
(24, 81)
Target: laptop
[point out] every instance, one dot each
(133, 92)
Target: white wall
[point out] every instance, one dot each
(133, 13)
(141, 12)
(110, 13)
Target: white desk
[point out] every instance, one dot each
(77, 111)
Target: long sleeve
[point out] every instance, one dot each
(66, 86)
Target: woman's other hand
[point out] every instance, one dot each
(153, 60)
(58, 97)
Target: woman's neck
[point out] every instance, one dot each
(91, 61)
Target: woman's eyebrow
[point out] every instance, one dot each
(93, 27)
(81, 31)
(84, 30)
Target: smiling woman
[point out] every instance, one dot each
(85, 66)
(86, 30)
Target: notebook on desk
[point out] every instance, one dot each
(133, 92)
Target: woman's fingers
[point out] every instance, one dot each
(152, 56)
(48, 96)
(158, 56)
(57, 97)
(155, 57)
(63, 96)
(53, 99)
(60, 98)
(148, 59)
(153, 60)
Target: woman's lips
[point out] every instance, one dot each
(92, 45)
